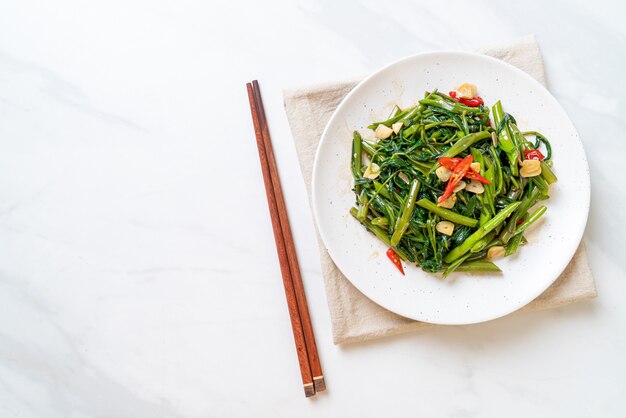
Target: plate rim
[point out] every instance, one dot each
(587, 180)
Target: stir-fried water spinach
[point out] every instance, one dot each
(446, 186)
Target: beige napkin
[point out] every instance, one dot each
(354, 316)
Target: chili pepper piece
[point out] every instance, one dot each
(533, 154)
(473, 175)
(457, 174)
(451, 163)
(474, 102)
(395, 259)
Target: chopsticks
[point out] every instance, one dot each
(310, 368)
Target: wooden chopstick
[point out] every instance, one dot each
(309, 337)
(310, 368)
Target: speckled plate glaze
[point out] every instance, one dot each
(462, 298)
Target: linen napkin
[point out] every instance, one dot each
(355, 317)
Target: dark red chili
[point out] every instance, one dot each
(473, 102)
(533, 154)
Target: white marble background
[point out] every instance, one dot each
(138, 275)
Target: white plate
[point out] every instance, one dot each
(461, 298)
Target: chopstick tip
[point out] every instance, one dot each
(309, 390)
(319, 383)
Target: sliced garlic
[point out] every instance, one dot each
(475, 186)
(397, 126)
(443, 174)
(460, 186)
(475, 167)
(466, 91)
(530, 168)
(445, 227)
(372, 171)
(449, 202)
(404, 177)
(495, 252)
(383, 132)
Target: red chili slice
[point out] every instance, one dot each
(533, 154)
(395, 259)
(451, 163)
(473, 175)
(457, 174)
(473, 102)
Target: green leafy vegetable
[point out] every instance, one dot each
(493, 206)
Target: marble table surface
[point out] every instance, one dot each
(138, 275)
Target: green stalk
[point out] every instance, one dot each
(484, 217)
(363, 206)
(356, 155)
(517, 137)
(513, 244)
(505, 139)
(447, 214)
(478, 158)
(455, 107)
(404, 115)
(380, 221)
(380, 189)
(394, 112)
(478, 266)
(413, 113)
(541, 183)
(465, 125)
(527, 203)
(483, 242)
(356, 160)
(368, 147)
(454, 265)
(487, 171)
(480, 233)
(385, 207)
(547, 173)
(435, 124)
(403, 221)
(531, 219)
(498, 177)
(408, 132)
(464, 143)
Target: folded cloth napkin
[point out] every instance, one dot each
(354, 316)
